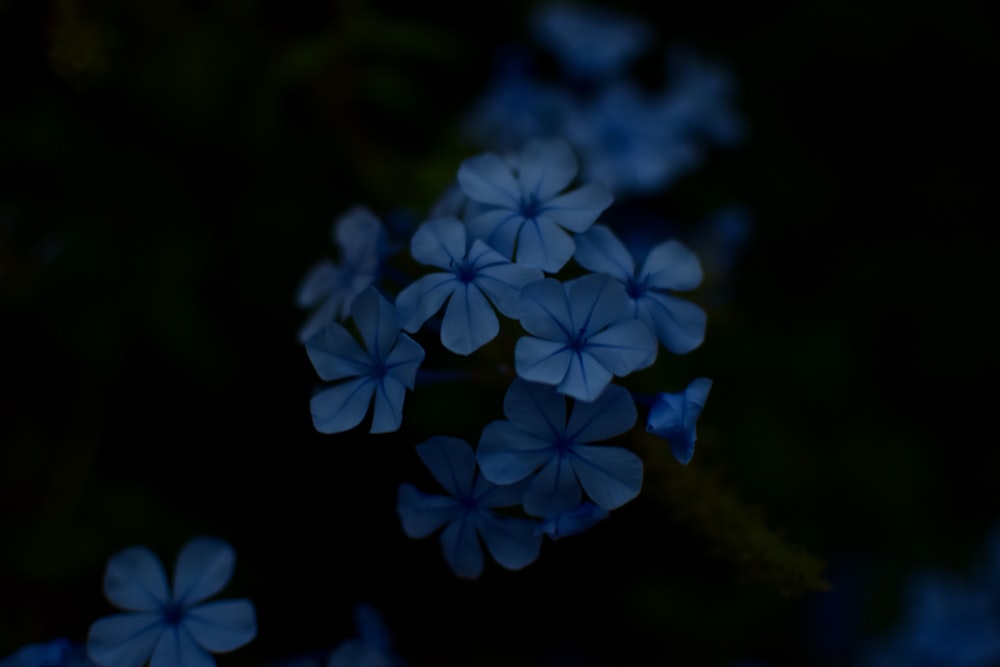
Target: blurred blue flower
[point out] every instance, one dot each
(475, 277)
(170, 627)
(385, 370)
(372, 648)
(590, 42)
(537, 443)
(582, 335)
(520, 206)
(55, 653)
(573, 521)
(669, 266)
(467, 512)
(699, 98)
(674, 416)
(332, 288)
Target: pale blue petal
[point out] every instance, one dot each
(585, 377)
(599, 250)
(204, 567)
(388, 415)
(674, 416)
(125, 640)
(679, 324)
(500, 280)
(377, 321)
(317, 285)
(370, 626)
(222, 626)
(134, 579)
(611, 476)
(596, 300)
(623, 347)
(439, 243)
(573, 522)
(422, 298)
(422, 514)
(358, 233)
(535, 408)
(511, 541)
(545, 167)
(613, 413)
(488, 179)
(497, 228)
(488, 494)
(404, 360)
(672, 266)
(543, 361)
(461, 547)
(695, 396)
(469, 321)
(177, 648)
(544, 311)
(342, 407)
(452, 463)
(322, 316)
(541, 244)
(335, 354)
(553, 490)
(508, 454)
(578, 209)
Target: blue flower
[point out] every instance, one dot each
(520, 206)
(332, 288)
(468, 513)
(385, 370)
(372, 648)
(678, 324)
(590, 42)
(699, 99)
(473, 276)
(170, 626)
(573, 521)
(584, 335)
(537, 443)
(56, 653)
(674, 417)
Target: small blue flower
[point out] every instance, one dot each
(573, 521)
(583, 335)
(520, 207)
(468, 513)
(171, 627)
(670, 266)
(332, 288)
(474, 278)
(385, 370)
(674, 417)
(372, 648)
(56, 653)
(537, 443)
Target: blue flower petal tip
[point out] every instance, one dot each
(674, 416)
(573, 522)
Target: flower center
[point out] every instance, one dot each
(465, 272)
(563, 444)
(530, 207)
(579, 342)
(379, 369)
(173, 614)
(635, 288)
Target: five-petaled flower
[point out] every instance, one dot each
(582, 335)
(537, 443)
(468, 512)
(170, 626)
(385, 370)
(475, 276)
(674, 416)
(520, 207)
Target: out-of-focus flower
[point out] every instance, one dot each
(674, 416)
(372, 647)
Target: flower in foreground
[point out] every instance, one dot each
(670, 266)
(474, 277)
(537, 443)
(170, 626)
(674, 416)
(467, 512)
(520, 207)
(582, 335)
(385, 370)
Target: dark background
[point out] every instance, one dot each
(171, 170)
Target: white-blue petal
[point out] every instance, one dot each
(585, 378)
(679, 324)
(488, 179)
(125, 640)
(500, 280)
(377, 320)
(536, 408)
(574, 521)
(497, 228)
(134, 579)
(177, 648)
(342, 407)
(508, 454)
(422, 514)
(611, 414)
(599, 250)
(611, 476)
(542, 361)
(422, 298)
(578, 209)
(545, 167)
(451, 462)
(461, 547)
(404, 360)
(222, 626)
(545, 312)
(595, 301)
(439, 243)
(623, 347)
(541, 244)
(553, 490)
(335, 354)
(388, 414)
(204, 567)
(469, 321)
(511, 541)
(319, 282)
(672, 265)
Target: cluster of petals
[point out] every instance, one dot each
(582, 335)
(670, 266)
(384, 369)
(537, 443)
(473, 278)
(467, 513)
(170, 626)
(518, 207)
(674, 416)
